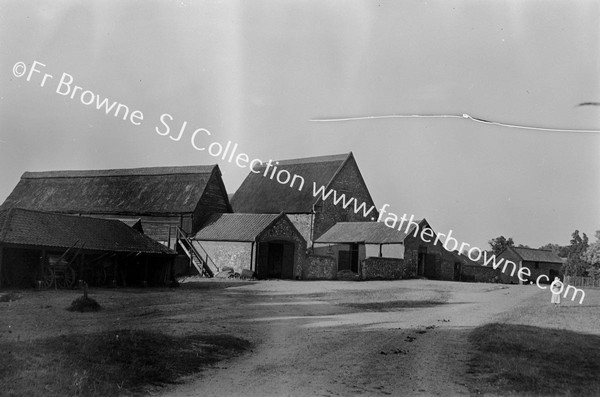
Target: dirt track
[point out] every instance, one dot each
(344, 338)
(310, 338)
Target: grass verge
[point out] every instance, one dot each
(526, 360)
(123, 362)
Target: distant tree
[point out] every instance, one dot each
(523, 246)
(592, 253)
(498, 244)
(576, 265)
(562, 251)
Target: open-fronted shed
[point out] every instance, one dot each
(59, 249)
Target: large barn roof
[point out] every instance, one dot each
(158, 190)
(43, 229)
(235, 227)
(363, 232)
(536, 255)
(259, 194)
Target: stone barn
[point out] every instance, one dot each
(56, 250)
(300, 200)
(267, 244)
(163, 198)
(542, 263)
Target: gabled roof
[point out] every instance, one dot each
(43, 229)
(159, 190)
(363, 232)
(260, 194)
(536, 255)
(235, 227)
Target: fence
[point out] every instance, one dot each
(589, 282)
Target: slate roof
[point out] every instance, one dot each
(235, 227)
(363, 232)
(43, 229)
(259, 194)
(536, 255)
(158, 190)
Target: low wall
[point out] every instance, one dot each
(376, 268)
(319, 267)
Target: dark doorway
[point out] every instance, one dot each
(276, 260)
(421, 261)
(457, 267)
(348, 260)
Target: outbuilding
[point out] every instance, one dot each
(55, 250)
(267, 244)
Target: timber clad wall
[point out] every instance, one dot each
(213, 201)
(348, 181)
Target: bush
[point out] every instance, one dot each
(84, 304)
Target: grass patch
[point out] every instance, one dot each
(123, 362)
(84, 304)
(528, 360)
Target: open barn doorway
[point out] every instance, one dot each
(276, 259)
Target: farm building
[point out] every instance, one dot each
(540, 263)
(267, 244)
(299, 198)
(374, 250)
(370, 249)
(58, 249)
(163, 198)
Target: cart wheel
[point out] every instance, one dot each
(68, 278)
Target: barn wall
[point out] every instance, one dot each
(505, 277)
(380, 268)
(213, 200)
(444, 260)
(320, 267)
(158, 228)
(303, 223)
(236, 255)
(349, 182)
(544, 268)
(479, 274)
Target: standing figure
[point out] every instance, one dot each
(556, 287)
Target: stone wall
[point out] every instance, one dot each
(320, 267)
(236, 255)
(303, 223)
(377, 268)
(348, 181)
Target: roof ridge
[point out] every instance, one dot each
(315, 159)
(120, 172)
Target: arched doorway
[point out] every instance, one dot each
(276, 259)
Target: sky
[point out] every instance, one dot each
(256, 73)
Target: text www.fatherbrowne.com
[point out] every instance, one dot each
(66, 87)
